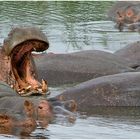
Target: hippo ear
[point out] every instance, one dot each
(28, 107)
(130, 12)
(27, 103)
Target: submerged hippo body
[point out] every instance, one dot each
(77, 67)
(21, 115)
(131, 53)
(113, 90)
(126, 14)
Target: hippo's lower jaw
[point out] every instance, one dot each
(23, 69)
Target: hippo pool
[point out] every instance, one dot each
(71, 27)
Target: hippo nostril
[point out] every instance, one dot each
(40, 107)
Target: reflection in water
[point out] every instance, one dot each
(98, 126)
(73, 26)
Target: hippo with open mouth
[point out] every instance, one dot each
(17, 63)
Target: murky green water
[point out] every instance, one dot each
(74, 26)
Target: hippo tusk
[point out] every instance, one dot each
(44, 86)
(39, 89)
(28, 88)
(12, 86)
(34, 49)
(21, 92)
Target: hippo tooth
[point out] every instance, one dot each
(21, 92)
(36, 88)
(27, 88)
(39, 89)
(12, 86)
(34, 49)
(44, 86)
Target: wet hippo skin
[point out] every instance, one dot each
(131, 52)
(113, 90)
(77, 67)
(6, 90)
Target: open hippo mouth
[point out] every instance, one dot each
(23, 68)
(18, 46)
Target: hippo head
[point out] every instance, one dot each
(127, 17)
(18, 47)
(39, 110)
(34, 113)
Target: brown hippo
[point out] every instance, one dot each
(17, 64)
(11, 123)
(126, 13)
(41, 108)
(118, 90)
(21, 115)
(131, 53)
(77, 67)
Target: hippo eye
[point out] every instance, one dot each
(40, 107)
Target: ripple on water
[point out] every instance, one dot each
(96, 127)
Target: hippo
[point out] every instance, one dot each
(131, 53)
(17, 64)
(126, 14)
(117, 90)
(22, 115)
(72, 68)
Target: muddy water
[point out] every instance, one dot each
(70, 27)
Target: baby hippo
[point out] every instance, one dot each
(21, 116)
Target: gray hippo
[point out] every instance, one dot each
(131, 53)
(29, 73)
(77, 67)
(22, 115)
(126, 14)
(118, 90)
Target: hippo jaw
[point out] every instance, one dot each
(23, 68)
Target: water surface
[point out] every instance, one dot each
(70, 26)
(74, 26)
